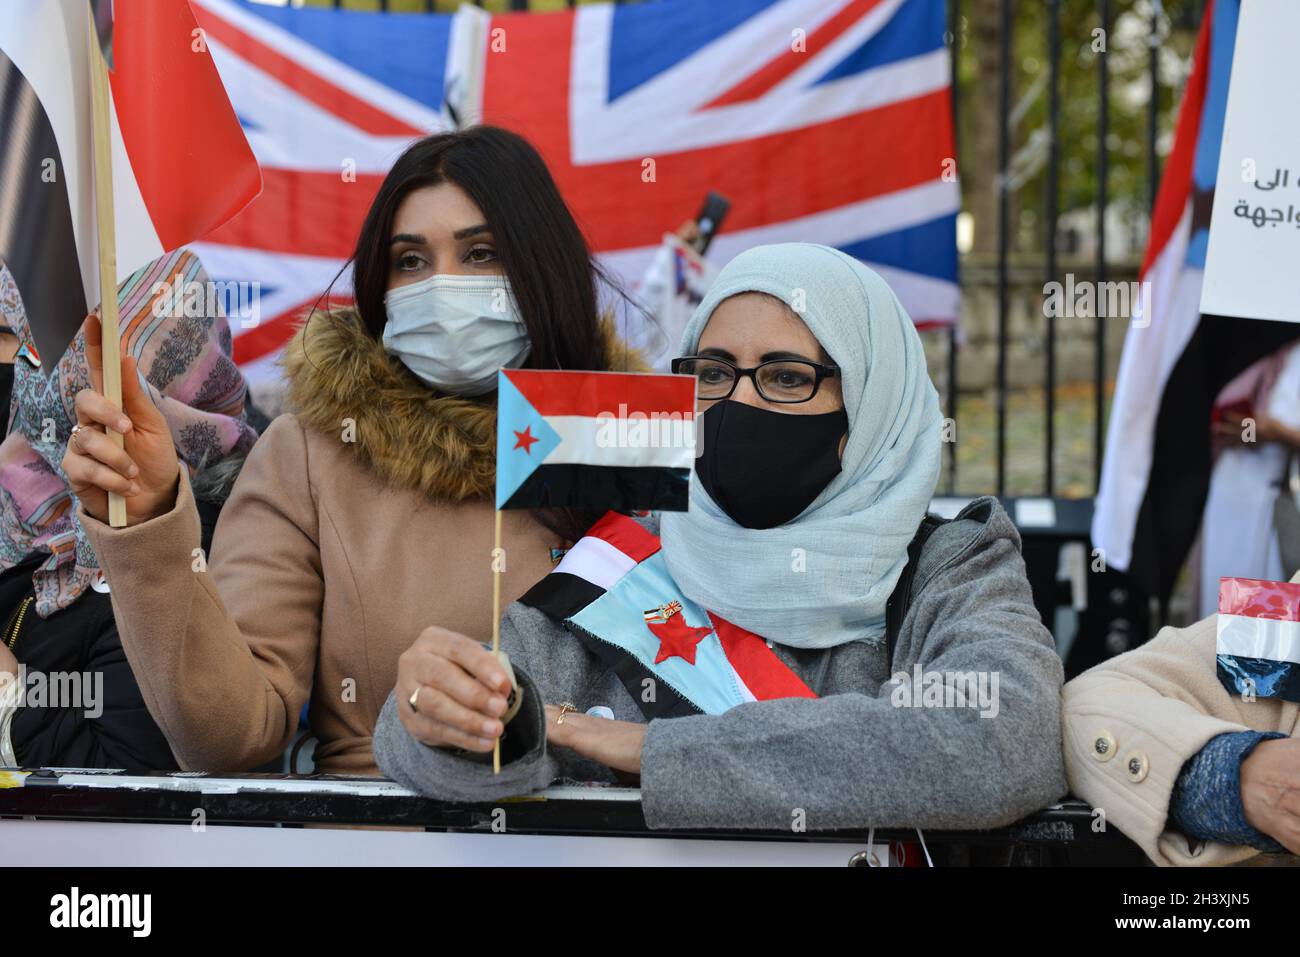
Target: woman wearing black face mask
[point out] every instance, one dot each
(813, 642)
(774, 419)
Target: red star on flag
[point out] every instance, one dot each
(525, 439)
(677, 639)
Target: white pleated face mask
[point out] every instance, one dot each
(455, 332)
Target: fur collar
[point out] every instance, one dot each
(413, 437)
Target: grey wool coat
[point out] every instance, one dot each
(904, 743)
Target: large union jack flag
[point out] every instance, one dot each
(822, 120)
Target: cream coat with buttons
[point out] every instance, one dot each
(1132, 722)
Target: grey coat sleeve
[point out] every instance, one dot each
(855, 760)
(526, 763)
(454, 775)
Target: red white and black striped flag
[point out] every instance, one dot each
(1176, 360)
(594, 440)
(181, 164)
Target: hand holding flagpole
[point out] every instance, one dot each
(537, 468)
(496, 621)
(108, 315)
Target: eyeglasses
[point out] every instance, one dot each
(779, 380)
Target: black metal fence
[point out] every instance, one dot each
(1186, 15)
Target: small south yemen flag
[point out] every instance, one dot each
(594, 440)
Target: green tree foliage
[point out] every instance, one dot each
(1127, 51)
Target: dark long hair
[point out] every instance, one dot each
(542, 252)
(541, 249)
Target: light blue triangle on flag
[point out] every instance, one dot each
(516, 419)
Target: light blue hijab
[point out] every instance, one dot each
(824, 578)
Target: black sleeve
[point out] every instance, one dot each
(115, 731)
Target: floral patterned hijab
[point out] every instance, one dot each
(184, 359)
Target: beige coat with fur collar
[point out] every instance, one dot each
(329, 559)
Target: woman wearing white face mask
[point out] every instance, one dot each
(363, 517)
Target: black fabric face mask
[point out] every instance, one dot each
(763, 468)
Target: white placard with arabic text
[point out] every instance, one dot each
(1251, 262)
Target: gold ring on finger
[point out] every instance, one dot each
(415, 695)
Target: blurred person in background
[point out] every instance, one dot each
(1251, 527)
(60, 637)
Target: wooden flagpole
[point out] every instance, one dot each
(496, 621)
(108, 318)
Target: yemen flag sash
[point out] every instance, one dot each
(597, 440)
(613, 591)
(1258, 651)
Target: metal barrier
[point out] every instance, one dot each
(83, 817)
